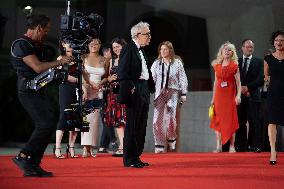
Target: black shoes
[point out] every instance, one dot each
(257, 150)
(144, 164)
(273, 162)
(30, 169)
(138, 164)
(135, 165)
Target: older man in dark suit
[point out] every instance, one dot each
(251, 69)
(133, 73)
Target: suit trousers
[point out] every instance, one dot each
(249, 110)
(39, 108)
(136, 123)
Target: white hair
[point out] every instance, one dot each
(138, 28)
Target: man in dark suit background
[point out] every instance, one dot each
(134, 75)
(251, 69)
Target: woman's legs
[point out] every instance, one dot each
(58, 139)
(219, 143)
(272, 131)
(232, 144)
(72, 139)
(120, 133)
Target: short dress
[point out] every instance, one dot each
(115, 113)
(275, 91)
(225, 120)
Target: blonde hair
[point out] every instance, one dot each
(219, 59)
(171, 51)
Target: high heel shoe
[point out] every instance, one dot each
(273, 162)
(118, 153)
(86, 152)
(57, 155)
(218, 150)
(69, 153)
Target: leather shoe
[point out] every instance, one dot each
(135, 165)
(143, 163)
(41, 172)
(30, 169)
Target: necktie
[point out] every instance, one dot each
(244, 68)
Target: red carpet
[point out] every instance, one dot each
(167, 171)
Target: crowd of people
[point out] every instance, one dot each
(123, 79)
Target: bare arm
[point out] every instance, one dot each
(239, 87)
(266, 71)
(213, 96)
(38, 66)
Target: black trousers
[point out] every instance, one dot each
(249, 110)
(108, 135)
(136, 123)
(39, 108)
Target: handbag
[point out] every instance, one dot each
(211, 111)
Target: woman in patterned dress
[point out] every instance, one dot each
(115, 115)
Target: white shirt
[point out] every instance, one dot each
(248, 62)
(144, 73)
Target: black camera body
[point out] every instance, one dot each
(79, 29)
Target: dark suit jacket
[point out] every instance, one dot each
(254, 77)
(129, 72)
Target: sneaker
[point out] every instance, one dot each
(159, 150)
(114, 146)
(172, 145)
(102, 150)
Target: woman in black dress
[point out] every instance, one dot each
(274, 73)
(67, 96)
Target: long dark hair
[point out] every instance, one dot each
(118, 40)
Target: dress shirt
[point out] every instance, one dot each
(144, 73)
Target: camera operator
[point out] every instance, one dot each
(28, 60)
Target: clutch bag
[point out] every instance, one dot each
(211, 111)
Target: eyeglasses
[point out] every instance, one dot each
(148, 34)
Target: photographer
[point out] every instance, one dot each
(28, 61)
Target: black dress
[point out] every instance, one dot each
(275, 94)
(67, 96)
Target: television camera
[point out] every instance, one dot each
(78, 30)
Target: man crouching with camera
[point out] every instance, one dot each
(28, 61)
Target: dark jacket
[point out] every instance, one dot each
(129, 72)
(254, 77)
